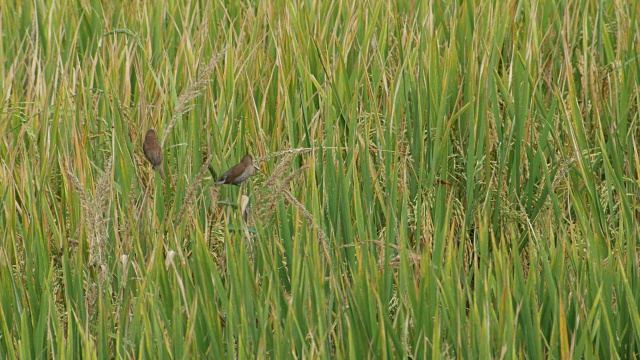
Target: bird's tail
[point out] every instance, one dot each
(221, 180)
(160, 169)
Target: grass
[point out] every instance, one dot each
(352, 246)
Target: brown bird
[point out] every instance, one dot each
(238, 173)
(153, 151)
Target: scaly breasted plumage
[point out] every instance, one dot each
(239, 173)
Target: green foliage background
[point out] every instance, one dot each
(353, 247)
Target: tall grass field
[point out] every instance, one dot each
(436, 179)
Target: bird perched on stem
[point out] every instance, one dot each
(153, 151)
(239, 173)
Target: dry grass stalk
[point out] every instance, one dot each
(95, 209)
(288, 153)
(310, 220)
(188, 199)
(278, 182)
(278, 172)
(215, 233)
(244, 203)
(192, 92)
(267, 204)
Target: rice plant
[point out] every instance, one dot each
(435, 179)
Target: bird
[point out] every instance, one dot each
(153, 151)
(239, 173)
